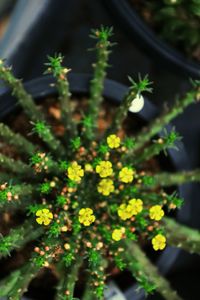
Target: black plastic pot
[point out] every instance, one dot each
(5, 7)
(113, 91)
(35, 30)
(149, 41)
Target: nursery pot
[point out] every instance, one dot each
(144, 36)
(34, 31)
(40, 88)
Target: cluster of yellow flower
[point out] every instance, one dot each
(105, 169)
(134, 207)
(105, 187)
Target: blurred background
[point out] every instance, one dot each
(30, 30)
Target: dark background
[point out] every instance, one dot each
(64, 26)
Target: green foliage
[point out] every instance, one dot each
(103, 149)
(89, 198)
(142, 85)
(63, 165)
(129, 143)
(3, 196)
(45, 188)
(54, 64)
(60, 200)
(148, 180)
(120, 263)
(103, 34)
(75, 143)
(68, 259)
(54, 229)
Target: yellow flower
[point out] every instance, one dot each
(113, 141)
(86, 216)
(135, 206)
(104, 169)
(75, 172)
(44, 216)
(123, 212)
(88, 168)
(156, 212)
(105, 187)
(117, 234)
(126, 175)
(159, 242)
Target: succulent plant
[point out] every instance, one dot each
(177, 21)
(88, 202)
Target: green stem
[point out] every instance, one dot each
(15, 285)
(18, 237)
(169, 179)
(66, 112)
(16, 139)
(20, 93)
(28, 104)
(23, 192)
(182, 236)
(122, 111)
(5, 177)
(88, 294)
(161, 144)
(160, 122)
(44, 132)
(147, 269)
(97, 83)
(68, 281)
(60, 74)
(15, 166)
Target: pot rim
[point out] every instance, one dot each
(137, 29)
